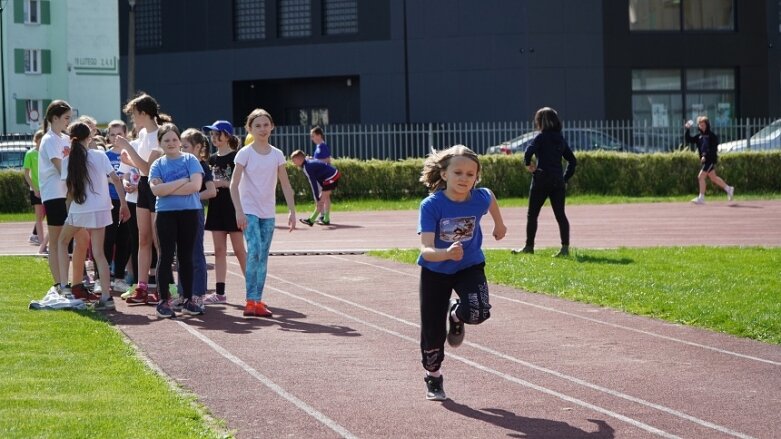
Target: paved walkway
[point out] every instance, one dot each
(340, 358)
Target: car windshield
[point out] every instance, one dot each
(769, 132)
(523, 138)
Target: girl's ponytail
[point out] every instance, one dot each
(233, 142)
(77, 163)
(163, 118)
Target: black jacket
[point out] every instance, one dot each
(550, 147)
(707, 144)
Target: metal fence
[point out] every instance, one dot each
(400, 141)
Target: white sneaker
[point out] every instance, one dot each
(730, 193)
(33, 239)
(120, 285)
(698, 200)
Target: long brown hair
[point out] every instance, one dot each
(196, 137)
(77, 163)
(143, 103)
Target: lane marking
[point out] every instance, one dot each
(311, 411)
(557, 374)
(593, 320)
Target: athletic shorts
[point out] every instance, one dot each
(56, 212)
(34, 200)
(708, 167)
(146, 199)
(330, 186)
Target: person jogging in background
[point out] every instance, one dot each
(708, 146)
(451, 256)
(323, 179)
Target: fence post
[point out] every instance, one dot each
(748, 134)
(430, 135)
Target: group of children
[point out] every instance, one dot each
(140, 202)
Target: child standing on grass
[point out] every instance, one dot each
(175, 179)
(84, 172)
(253, 188)
(195, 143)
(323, 179)
(221, 218)
(30, 167)
(708, 146)
(451, 257)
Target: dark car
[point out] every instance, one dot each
(12, 153)
(579, 139)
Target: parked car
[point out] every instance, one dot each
(579, 139)
(12, 153)
(768, 137)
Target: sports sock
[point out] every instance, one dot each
(327, 217)
(436, 374)
(220, 288)
(313, 216)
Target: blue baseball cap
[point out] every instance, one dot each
(220, 125)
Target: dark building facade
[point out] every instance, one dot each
(393, 61)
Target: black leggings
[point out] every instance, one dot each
(541, 189)
(117, 234)
(435, 289)
(176, 231)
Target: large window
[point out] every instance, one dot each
(249, 20)
(32, 12)
(32, 61)
(681, 15)
(295, 18)
(149, 24)
(667, 97)
(340, 17)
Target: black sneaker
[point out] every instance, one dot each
(455, 334)
(306, 221)
(564, 252)
(323, 222)
(192, 308)
(434, 389)
(164, 310)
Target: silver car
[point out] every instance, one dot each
(578, 139)
(768, 137)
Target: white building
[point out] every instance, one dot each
(58, 49)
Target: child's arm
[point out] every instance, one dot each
(433, 254)
(28, 179)
(192, 185)
(241, 219)
(124, 212)
(287, 190)
(499, 228)
(209, 192)
(160, 189)
(142, 165)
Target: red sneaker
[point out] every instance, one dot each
(138, 296)
(249, 308)
(153, 298)
(261, 310)
(80, 292)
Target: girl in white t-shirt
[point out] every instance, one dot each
(84, 172)
(253, 189)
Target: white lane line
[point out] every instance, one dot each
(468, 362)
(563, 376)
(311, 411)
(593, 320)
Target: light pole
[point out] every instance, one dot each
(131, 50)
(2, 67)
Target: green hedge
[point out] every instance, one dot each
(606, 173)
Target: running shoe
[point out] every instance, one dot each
(434, 389)
(215, 299)
(165, 311)
(139, 295)
(191, 308)
(306, 221)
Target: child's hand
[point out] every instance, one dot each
(456, 251)
(124, 213)
(499, 231)
(241, 220)
(291, 221)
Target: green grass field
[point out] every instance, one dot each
(734, 290)
(70, 374)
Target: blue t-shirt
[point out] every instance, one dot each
(322, 151)
(169, 170)
(452, 221)
(113, 158)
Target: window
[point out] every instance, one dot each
(340, 17)
(307, 117)
(32, 61)
(677, 15)
(149, 24)
(249, 20)
(667, 97)
(295, 18)
(35, 111)
(32, 12)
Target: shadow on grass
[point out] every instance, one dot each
(531, 428)
(588, 259)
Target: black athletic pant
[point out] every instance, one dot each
(176, 231)
(544, 187)
(132, 230)
(117, 234)
(435, 289)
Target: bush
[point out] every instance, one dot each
(605, 173)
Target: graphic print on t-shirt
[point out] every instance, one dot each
(457, 229)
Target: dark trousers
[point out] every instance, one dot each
(132, 230)
(543, 188)
(117, 234)
(176, 231)
(435, 289)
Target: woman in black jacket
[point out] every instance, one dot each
(708, 146)
(548, 178)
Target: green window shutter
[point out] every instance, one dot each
(21, 111)
(46, 61)
(46, 14)
(18, 11)
(18, 60)
(45, 104)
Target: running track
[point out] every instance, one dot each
(341, 358)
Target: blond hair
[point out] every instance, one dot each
(438, 161)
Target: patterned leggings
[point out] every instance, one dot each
(258, 234)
